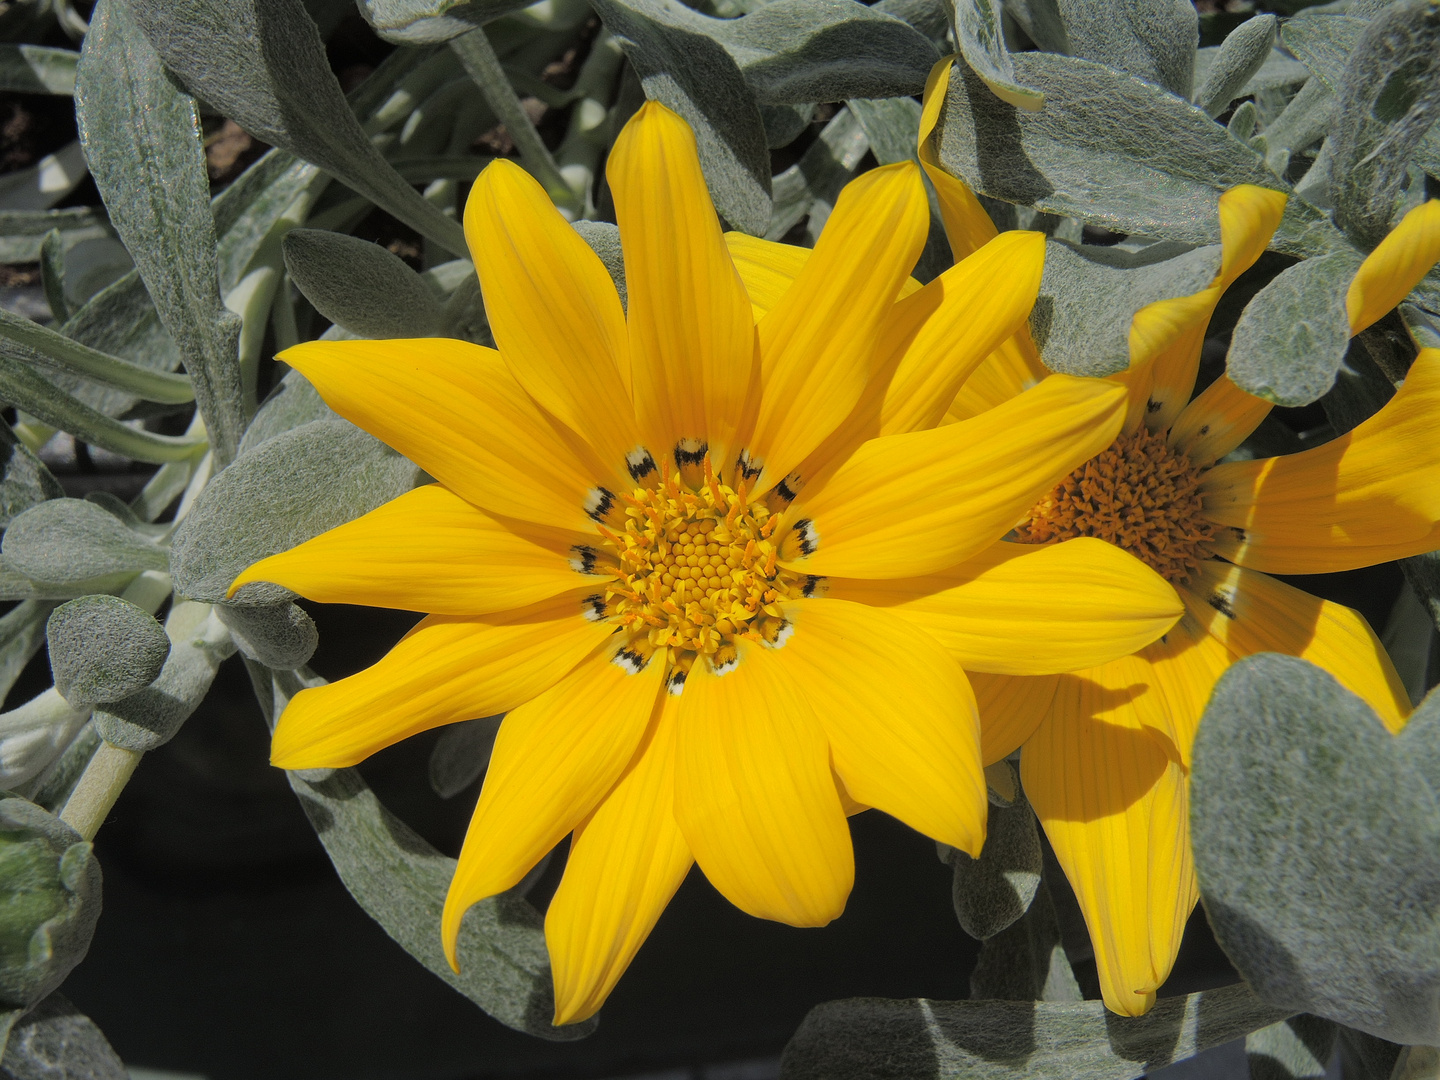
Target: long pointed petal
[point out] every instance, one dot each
(553, 309)
(1114, 807)
(767, 268)
(1395, 266)
(1168, 334)
(911, 504)
(556, 757)
(626, 861)
(1216, 422)
(817, 344)
(1370, 496)
(1186, 663)
(1008, 372)
(754, 794)
(429, 550)
(444, 670)
(1012, 707)
(1251, 612)
(692, 335)
(967, 226)
(1014, 609)
(915, 755)
(983, 300)
(456, 411)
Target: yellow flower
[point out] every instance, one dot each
(625, 547)
(1106, 751)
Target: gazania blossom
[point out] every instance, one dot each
(1106, 750)
(630, 544)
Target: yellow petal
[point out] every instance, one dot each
(912, 504)
(1008, 372)
(1015, 609)
(1370, 496)
(967, 226)
(455, 410)
(1168, 334)
(768, 269)
(976, 306)
(1395, 266)
(1011, 707)
(430, 550)
(556, 757)
(626, 861)
(553, 309)
(1114, 807)
(754, 794)
(915, 754)
(692, 336)
(1186, 664)
(1252, 613)
(817, 344)
(444, 670)
(1216, 422)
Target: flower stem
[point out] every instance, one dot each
(98, 788)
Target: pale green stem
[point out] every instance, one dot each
(97, 789)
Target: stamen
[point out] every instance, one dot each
(697, 571)
(1139, 495)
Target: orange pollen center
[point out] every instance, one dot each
(1139, 495)
(697, 570)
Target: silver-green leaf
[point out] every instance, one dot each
(103, 648)
(72, 540)
(360, 285)
(1316, 836)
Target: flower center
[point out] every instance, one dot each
(1139, 495)
(697, 570)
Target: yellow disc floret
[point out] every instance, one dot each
(697, 570)
(1140, 495)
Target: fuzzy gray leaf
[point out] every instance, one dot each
(1026, 961)
(799, 51)
(982, 42)
(288, 489)
(993, 891)
(461, 754)
(812, 184)
(1240, 58)
(784, 123)
(1296, 1049)
(65, 540)
(24, 479)
(49, 901)
(428, 22)
(37, 69)
(1323, 41)
(1111, 150)
(919, 1039)
(119, 320)
(249, 209)
(21, 231)
(683, 67)
(142, 139)
(1292, 337)
(55, 1041)
(291, 404)
(103, 648)
(360, 285)
(604, 240)
(1153, 40)
(262, 63)
(282, 636)
(1089, 295)
(149, 719)
(1315, 836)
(401, 882)
(22, 632)
(1388, 98)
